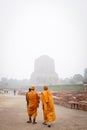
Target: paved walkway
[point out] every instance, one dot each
(13, 116)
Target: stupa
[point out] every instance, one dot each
(44, 72)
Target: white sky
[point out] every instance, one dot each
(31, 28)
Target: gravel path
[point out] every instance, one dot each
(13, 116)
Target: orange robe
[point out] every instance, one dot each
(48, 106)
(33, 99)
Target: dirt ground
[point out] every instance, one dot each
(13, 116)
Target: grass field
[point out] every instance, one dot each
(53, 88)
(75, 87)
(67, 88)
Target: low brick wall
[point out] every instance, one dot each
(63, 98)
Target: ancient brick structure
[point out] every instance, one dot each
(77, 98)
(44, 71)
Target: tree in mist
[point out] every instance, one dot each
(13, 83)
(4, 82)
(78, 78)
(85, 75)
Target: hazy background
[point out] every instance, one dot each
(31, 28)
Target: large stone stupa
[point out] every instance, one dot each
(44, 72)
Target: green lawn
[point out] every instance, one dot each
(67, 88)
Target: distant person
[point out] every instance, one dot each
(14, 92)
(47, 106)
(27, 96)
(33, 99)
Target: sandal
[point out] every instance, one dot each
(29, 121)
(44, 123)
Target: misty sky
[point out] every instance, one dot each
(31, 28)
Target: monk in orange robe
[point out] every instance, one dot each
(27, 96)
(48, 106)
(34, 100)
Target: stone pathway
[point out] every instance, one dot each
(13, 116)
